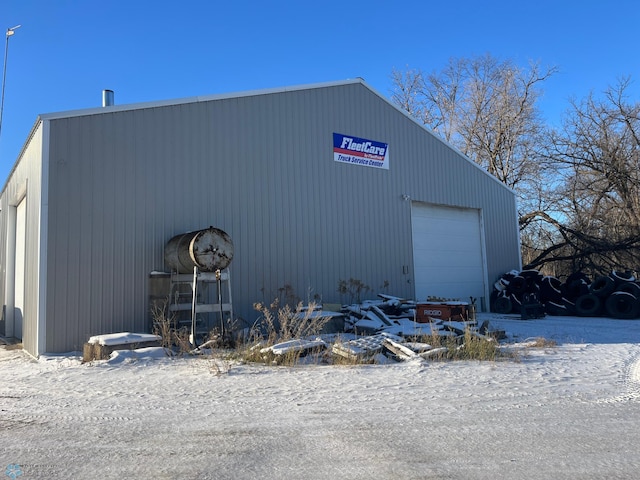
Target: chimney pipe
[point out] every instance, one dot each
(107, 98)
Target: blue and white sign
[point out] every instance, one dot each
(360, 151)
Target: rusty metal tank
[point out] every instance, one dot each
(210, 249)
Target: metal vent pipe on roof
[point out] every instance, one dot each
(107, 98)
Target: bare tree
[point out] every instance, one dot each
(408, 92)
(598, 155)
(484, 107)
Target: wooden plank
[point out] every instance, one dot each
(400, 350)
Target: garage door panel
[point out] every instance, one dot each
(453, 273)
(460, 292)
(451, 244)
(449, 250)
(444, 257)
(445, 233)
(452, 287)
(467, 262)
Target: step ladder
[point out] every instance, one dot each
(202, 303)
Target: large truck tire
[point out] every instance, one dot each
(602, 286)
(589, 305)
(622, 305)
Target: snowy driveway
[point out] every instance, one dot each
(572, 411)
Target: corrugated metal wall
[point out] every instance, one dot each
(261, 168)
(24, 183)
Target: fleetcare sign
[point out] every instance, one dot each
(360, 151)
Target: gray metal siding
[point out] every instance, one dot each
(261, 168)
(24, 182)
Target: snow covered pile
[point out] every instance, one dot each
(389, 329)
(398, 316)
(616, 295)
(124, 338)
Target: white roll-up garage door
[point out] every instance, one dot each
(448, 252)
(21, 229)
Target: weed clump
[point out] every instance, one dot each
(541, 342)
(174, 341)
(278, 324)
(469, 346)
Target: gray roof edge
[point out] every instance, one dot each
(196, 99)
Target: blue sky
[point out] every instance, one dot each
(67, 51)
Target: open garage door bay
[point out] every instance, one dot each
(448, 252)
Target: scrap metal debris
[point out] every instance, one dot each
(297, 346)
(402, 317)
(363, 348)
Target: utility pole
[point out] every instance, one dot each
(10, 32)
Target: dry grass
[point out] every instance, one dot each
(476, 347)
(469, 346)
(354, 288)
(541, 342)
(174, 341)
(521, 349)
(279, 324)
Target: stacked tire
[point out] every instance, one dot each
(616, 295)
(514, 289)
(574, 292)
(620, 295)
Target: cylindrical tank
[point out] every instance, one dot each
(209, 250)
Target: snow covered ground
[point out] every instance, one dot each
(564, 412)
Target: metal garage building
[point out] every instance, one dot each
(315, 184)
